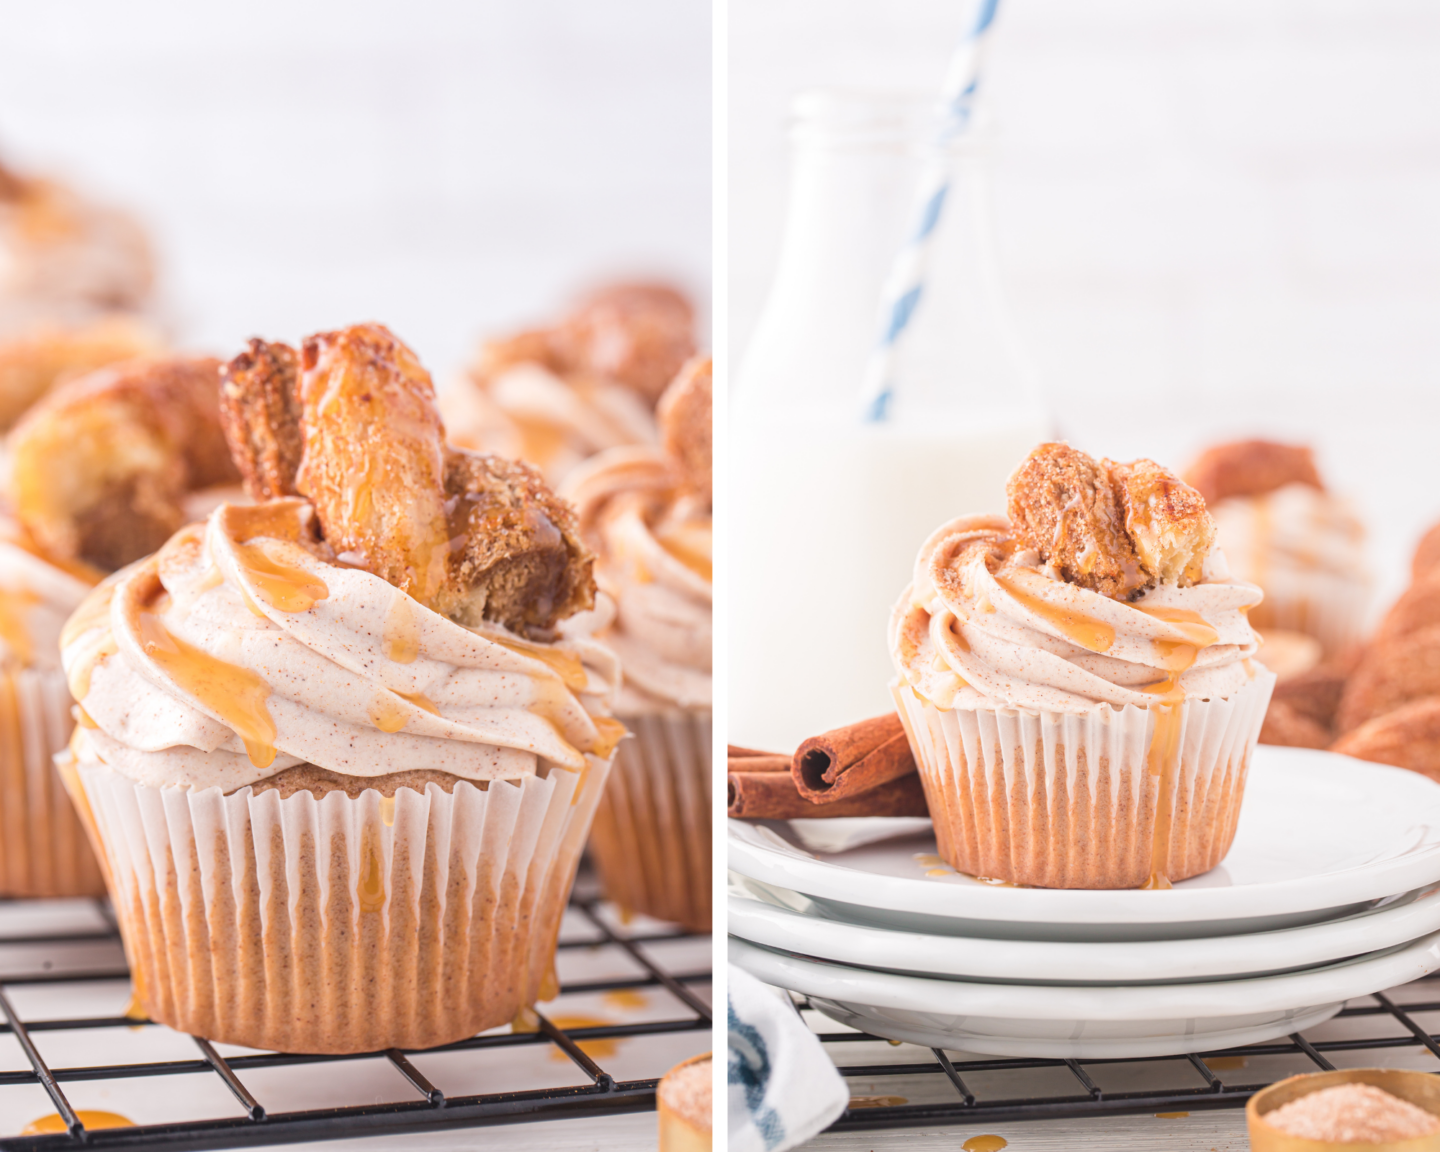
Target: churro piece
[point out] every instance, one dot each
(1251, 468)
(639, 334)
(1427, 554)
(685, 416)
(1287, 726)
(1391, 673)
(1112, 528)
(475, 537)
(44, 356)
(1407, 737)
(101, 466)
(520, 560)
(1416, 608)
(260, 412)
(1316, 694)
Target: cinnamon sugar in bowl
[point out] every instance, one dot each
(1328, 1110)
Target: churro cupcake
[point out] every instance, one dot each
(75, 277)
(101, 472)
(1281, 529)
(339, 761)
(646, 512)
(1077, 681)
(554, 396)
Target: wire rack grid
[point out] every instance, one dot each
(26, 962)
(1386, 1029)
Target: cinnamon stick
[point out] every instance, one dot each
(852, 761)
(773, 796)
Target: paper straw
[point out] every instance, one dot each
(906, 280)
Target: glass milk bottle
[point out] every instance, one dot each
(828, 511)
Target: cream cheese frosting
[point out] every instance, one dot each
(985, 625)
(1290, 536)
(653, 544)
(240, 650)
(36, 598)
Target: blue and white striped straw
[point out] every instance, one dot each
(906, 281)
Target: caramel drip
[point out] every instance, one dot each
(14, 631)
(940, 872)
(421, 701)
(135, 1009)
(984, 1144)
(277, 519)
(525, 1021)
(549, 983)
(627, 999)
(1194, 627)
(371, 889)
(93, 1121)
(877, 1101)
(402, 630)
(1162, 761)
(564, 664)
(250, 604)
(83, 572)
(93, 612)
(80, 674)
(285, 587)
(233, 693)
(387, 811)
(611, 732)
(387, 713)
(690, 543)
(599, 1049)
(83, 718)
(1089, 633)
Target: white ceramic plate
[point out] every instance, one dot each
(1320, 836)
(790, 921)
(1083, 1022)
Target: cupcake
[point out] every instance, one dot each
(554, 396)
(1281, 529)
(646, 513)
(74, 278)
(101, 472)
(338, 758)
(1078, 681)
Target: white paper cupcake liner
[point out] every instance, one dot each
(43, 849)
(339, 924)
(1069, 799)
(651, 839)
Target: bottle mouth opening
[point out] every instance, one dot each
(905, 120)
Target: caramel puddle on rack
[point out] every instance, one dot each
(877, 1102)
(1091, 634)
(1171, 1115)
(985, 1144)
(93, 1122)
(601, 1049)
(626, 999)
(233, 693)
(1163, 758)
(402, 630)
(285, 587)
(1225, 1063)
(135, 1010)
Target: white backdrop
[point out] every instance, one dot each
(1215, 217)
(444, 167)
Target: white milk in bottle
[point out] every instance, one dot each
(827, 512)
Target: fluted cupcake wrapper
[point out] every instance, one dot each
(1330, 608)
(651, 839)
(339, 924)
(1070, 799)
(43, 849)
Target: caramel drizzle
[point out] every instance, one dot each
(566, 665)
(402, 630)
(14, 631)
(1089, 633)
(691, 544)
(233, 693)
(284, 587)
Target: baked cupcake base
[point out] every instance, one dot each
(339, 925)
(651, 839)
(43, 849)
(1070, 799)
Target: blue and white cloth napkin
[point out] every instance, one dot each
(783, 1088)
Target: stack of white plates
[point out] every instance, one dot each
(1331, 891)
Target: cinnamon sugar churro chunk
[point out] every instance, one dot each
(1112, 528)
(260, 411)
(1251, 468)
(350, 423)
(1391, 673)
(1427, 554)
(1407, 737)
(684, 413)
(640, 334)
(101, 466)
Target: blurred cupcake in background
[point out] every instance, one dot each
(1281, 529)
(75, 283)
(101, 472)
(646, 512)
(555, 395)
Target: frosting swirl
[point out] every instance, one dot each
(652, 541)
(985, 624)
(241, 649)
(36, 598)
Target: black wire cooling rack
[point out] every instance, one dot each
(995, 1090)
(431, 1108)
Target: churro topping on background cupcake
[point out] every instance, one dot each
(647, 513)
(1100, 588)
(397, 611)
(553, 396)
